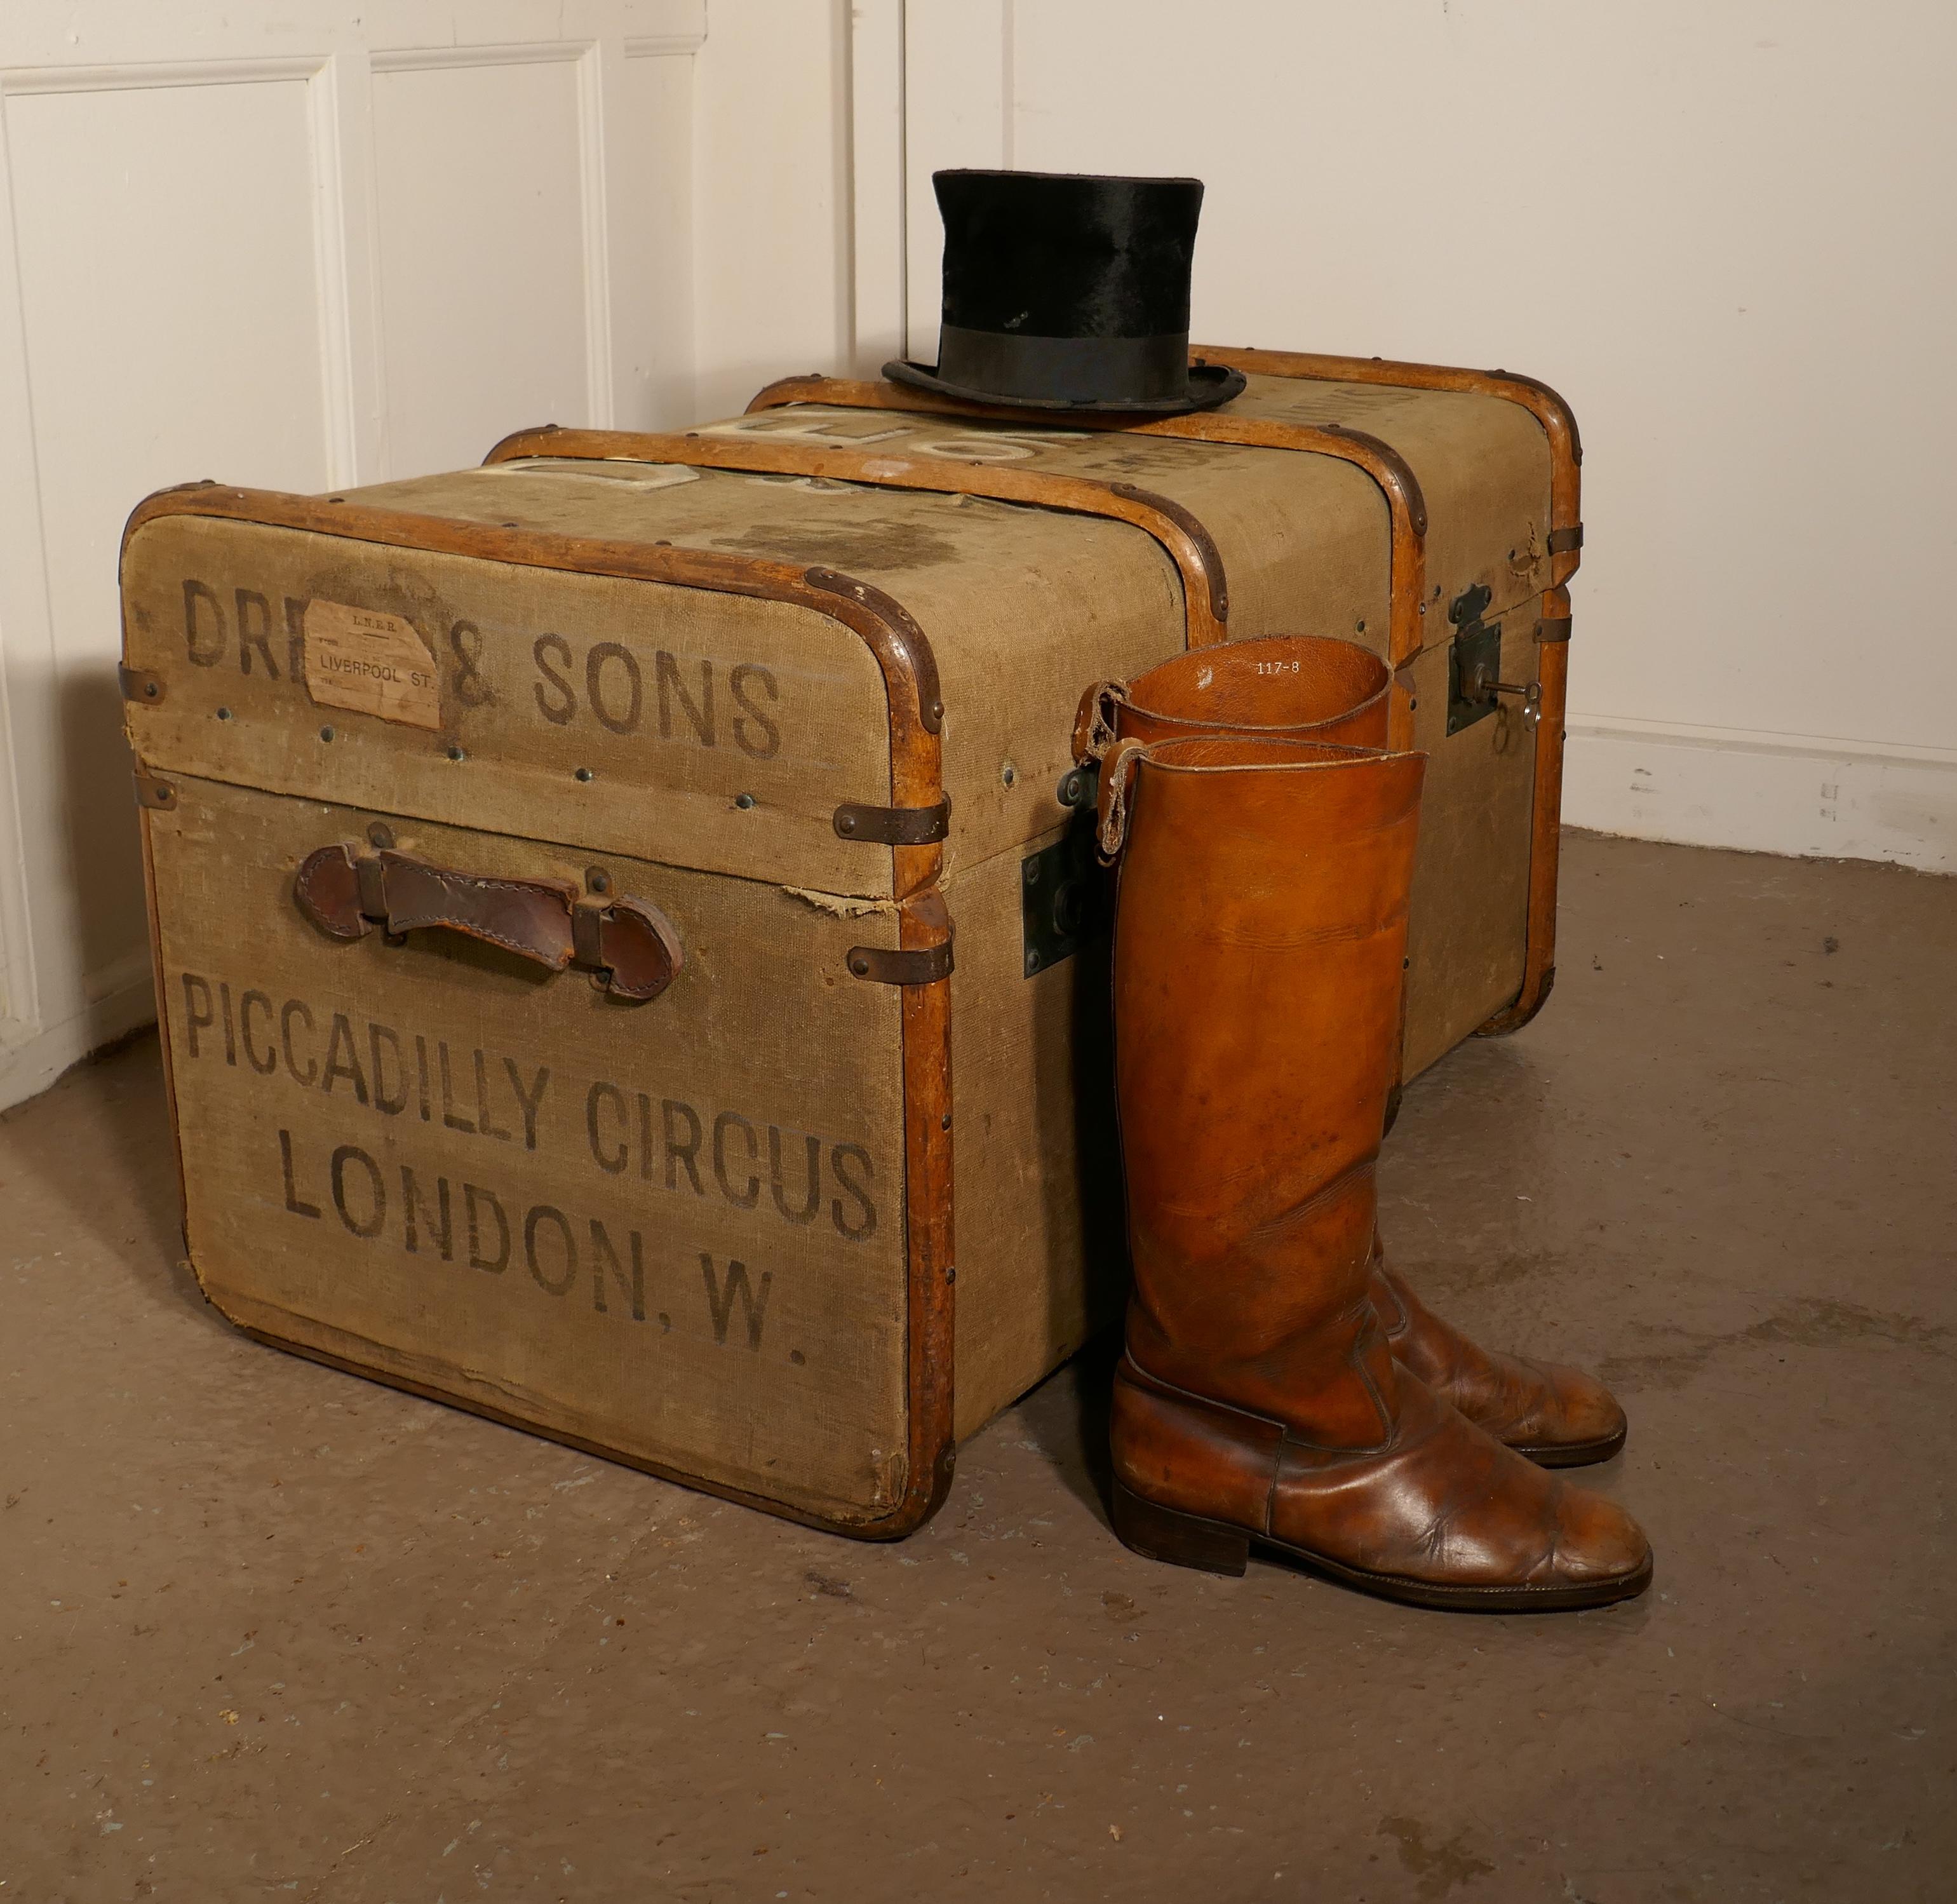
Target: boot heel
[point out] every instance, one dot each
(1183, 1540)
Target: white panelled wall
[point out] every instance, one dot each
(1722, 232)
(323, 244)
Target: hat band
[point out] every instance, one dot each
(1071, 370)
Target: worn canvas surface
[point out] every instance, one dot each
(509, 719)
(674, 1229)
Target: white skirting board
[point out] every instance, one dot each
(1804, 795)
(124, 1000)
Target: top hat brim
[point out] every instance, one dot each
(1208, 385)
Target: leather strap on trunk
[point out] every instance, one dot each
(630, 944)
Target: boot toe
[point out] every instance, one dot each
(1576, 1419)
(1598, 1544)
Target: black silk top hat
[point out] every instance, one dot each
(1067, 292)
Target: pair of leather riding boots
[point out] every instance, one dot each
(1280, 1384)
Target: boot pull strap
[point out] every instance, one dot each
(1094, 726)
(1117, 777)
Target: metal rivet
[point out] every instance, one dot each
(744, 801)
(378, 835)
(597, 880)
(1359, 627)
(456, 754)
(583, 773)
(326, 733)
(950, 1273)
(1033, 870)
(1032, 964)
(860, 965)
(847, 823)
(944, 1122)
(224, 713)
(151, 689)
(1008, 774)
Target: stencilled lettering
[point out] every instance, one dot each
(434, 1216)
(254, 631)
(206, 638)
(739, 1157)
(724, 1291)
(692, 701)
(754, 731)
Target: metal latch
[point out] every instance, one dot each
(1064, 896)
(1475, 665)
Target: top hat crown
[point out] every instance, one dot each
(1069, 291)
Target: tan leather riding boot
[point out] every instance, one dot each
(1557, 1416)
(1261, 924)
(1308, 688)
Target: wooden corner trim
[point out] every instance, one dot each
(151, 908)
(1406, 505)
(783, 390)
(1189, 545)
(900, 630)
(1558, 420)
(1545, 825)
(849, 393)
(923, 924)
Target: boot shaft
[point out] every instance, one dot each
(1259, 938)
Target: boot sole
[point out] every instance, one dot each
(1572, 1454)
(1160, 1533)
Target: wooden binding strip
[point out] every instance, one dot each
(1545, 821)
(1559, 423)
(1206, 595)
(1406, 507)
(910, 676)
(1565, 544)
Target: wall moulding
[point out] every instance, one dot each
(24, 81)
(437, 59)
(664, 45)
(619, 81)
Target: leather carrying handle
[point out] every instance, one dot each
(632, 946)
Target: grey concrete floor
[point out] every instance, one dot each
(268, 1632)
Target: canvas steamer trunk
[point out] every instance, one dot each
(621, 912)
